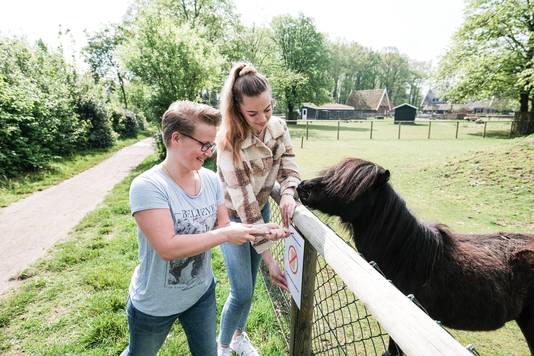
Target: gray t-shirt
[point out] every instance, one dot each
(159, 287)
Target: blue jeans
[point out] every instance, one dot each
(147, 332)
(242, 264)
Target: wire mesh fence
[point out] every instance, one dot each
(342, 325)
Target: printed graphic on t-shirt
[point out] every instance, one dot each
(184, 273)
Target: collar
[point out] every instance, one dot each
(274, 129)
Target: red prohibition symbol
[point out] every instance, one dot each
(292, 256)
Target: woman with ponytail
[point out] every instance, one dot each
(255, 151)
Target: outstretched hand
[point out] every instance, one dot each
(273, 231)
(287, 208)
(241, 233)
(278, 277)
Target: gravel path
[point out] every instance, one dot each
(32, 225)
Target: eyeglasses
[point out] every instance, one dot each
(204, 146)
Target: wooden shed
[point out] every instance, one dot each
(332, 111)
(405, 113)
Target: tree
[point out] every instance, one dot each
(492, 54)
(251, 44)
(100, 54)
(303, 52)
(171, 59)
(394, 71)
(352, 68)
(213, 19)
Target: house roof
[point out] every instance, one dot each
(404, 104)
(329, 106)
(431, 96)
(368, 99)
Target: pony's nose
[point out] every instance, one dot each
(302, 190)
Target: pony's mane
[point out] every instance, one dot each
(409, 248)
(350, 178)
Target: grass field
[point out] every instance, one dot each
(72, 301)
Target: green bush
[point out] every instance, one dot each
(100, 133)
(37, 116)
(127, 123)
(131, 127)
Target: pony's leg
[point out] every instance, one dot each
(526, 324)
(393, 349)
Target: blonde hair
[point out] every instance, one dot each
(243, 80)
(182, 116)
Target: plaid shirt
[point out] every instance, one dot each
(249, 183)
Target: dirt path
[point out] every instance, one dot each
(31, 226)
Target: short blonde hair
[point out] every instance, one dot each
(182, 116)
(243, 80)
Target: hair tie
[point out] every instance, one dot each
(247, 69)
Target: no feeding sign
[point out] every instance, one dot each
(293, 256)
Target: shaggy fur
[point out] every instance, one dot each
(467, 281)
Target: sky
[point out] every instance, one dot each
(420, 29)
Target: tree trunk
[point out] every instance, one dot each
(523, 101)
(524, 120)
(291, 114)
(335, 92)
(121, 84)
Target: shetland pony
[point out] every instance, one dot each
(467, 281)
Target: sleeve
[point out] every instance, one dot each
(219, 189)
(145, 195)
(288, 174)
(239, 192)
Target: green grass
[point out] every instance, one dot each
(73, 300)
(60, 169)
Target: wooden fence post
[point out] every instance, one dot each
(338, 130)
(371, 134)
(301, 319)
(485, 125)
(511, 129)
(398, 135)
(307, 122)
(301, 141)
(429, 128)
(457, 128)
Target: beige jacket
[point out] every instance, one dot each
(249, 183)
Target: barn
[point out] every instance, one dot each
(369, 103)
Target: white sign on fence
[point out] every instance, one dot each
(293, 256)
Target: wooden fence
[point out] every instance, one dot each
(479, 128)
(412, 329)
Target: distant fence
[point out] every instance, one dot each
(348, 307)
(419, 129)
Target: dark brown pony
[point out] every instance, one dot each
(467, 281)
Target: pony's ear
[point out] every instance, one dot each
(382, 178)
